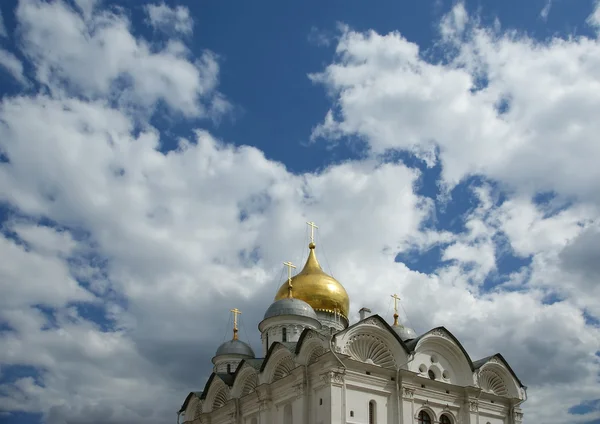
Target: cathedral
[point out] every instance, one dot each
(318, 368)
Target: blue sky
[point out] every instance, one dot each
(158, 162)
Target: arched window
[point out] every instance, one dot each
(372, 412)
(431, 374)
(287, 414)
(284, 334)
(424, 418)
(445, 419)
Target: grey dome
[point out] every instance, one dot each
(235, 347)
(405, 333)
(290, 306)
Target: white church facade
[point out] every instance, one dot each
(316, 368)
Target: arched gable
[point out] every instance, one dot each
(495, 376)
(246, 380)
(278, 363)
(217, 395)
(194, 409)
(373, 341)
(310, 347)
(439, 355)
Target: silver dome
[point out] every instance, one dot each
(290, 306)
(235, 347)
(405, 333)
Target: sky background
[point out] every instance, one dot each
(158, 163)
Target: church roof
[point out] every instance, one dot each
(290, 306)
(385, 324)
(277, 345)
(187, 400)
(412, 344)
(235, 347)
(481, 362)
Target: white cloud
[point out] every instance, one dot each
(158, 244)
(546, 10)
(98, 57)
(386, 92)
(594, 18)
(165, 18)
(12, 65)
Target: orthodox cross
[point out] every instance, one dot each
(313, 226)
(290, 266)
(396, 299)
(235, 312)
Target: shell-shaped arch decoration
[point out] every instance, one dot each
(283, 368)
(314, 355)
(250, 384)
(492, 382)
(221, 398)
(194, 409)
(368, 348)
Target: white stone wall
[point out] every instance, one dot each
(336, 388)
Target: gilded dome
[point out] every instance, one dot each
(319, 290)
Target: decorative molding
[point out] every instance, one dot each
(518, 417)
(473, 406)
(373, 321)
(494, 361)
(299, 390)
(364, 346)
(491, 381)
(409, 393)
(440, 333)
(333, 377)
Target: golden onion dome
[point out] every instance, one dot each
(321, 291)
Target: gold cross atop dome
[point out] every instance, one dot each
(313, 227)
(396, 299)
(289, 266)
(312, 285)
(235, 312)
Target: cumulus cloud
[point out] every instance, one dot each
(479, 109)
(99, 58)
(165, 18)
(122, 255)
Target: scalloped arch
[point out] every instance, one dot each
(315, 353)
(283, 368)
(250, 384)
(369, 348)
(491, 381)
(192, 409)
(221, 398)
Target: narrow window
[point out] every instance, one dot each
(267, 341)
(372, 412)
(424, 418)
(431, 374)
(445, 419)
(284, 335)
(352, 413)
(228, 368)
